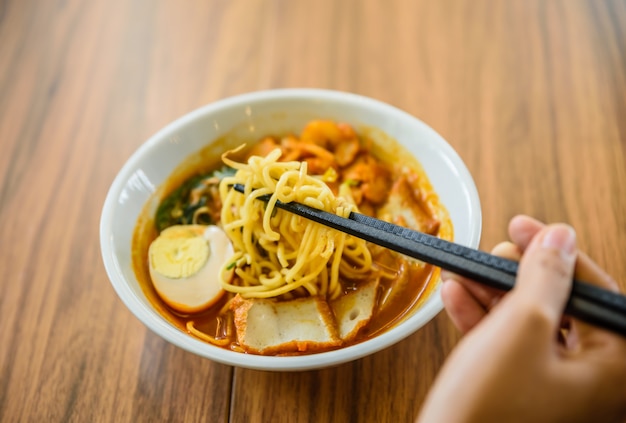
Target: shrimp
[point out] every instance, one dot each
(322, 133)
(318, 158)
(346, 151)
(263, 147)
(370, 178)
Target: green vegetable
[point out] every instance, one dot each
(179, 207)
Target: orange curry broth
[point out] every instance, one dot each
(417, 281)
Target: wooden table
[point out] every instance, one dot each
(531, 93)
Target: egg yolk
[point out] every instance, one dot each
(179, 255)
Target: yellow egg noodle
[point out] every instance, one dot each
(278, 253)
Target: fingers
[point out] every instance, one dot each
(466, 301)
(545, 273)
(507, 250)
(486, 296)
(462, 307)
(587, 270)
(522, 230)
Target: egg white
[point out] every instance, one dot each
(185, 262)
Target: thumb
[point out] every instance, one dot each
(546, 272)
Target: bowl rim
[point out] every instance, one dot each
(146, 315)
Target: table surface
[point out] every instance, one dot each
(530, 93)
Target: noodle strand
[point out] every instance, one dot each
(279, 253)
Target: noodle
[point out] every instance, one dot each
(205, 337)
(277, 252)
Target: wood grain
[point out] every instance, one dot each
(531, 94)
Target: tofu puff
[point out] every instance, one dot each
(286, 285)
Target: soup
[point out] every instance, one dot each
(283, 285)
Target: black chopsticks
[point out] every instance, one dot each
(587, 302)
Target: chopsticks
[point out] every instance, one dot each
(587, 302)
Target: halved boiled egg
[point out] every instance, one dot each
(185, 262)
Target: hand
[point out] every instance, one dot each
(520, 360)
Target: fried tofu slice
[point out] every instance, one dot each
(354, 310)
(281, 327)
(311, 324)
(406, 207)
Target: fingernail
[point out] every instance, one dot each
(560, 237)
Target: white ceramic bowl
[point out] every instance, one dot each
(253, 115)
